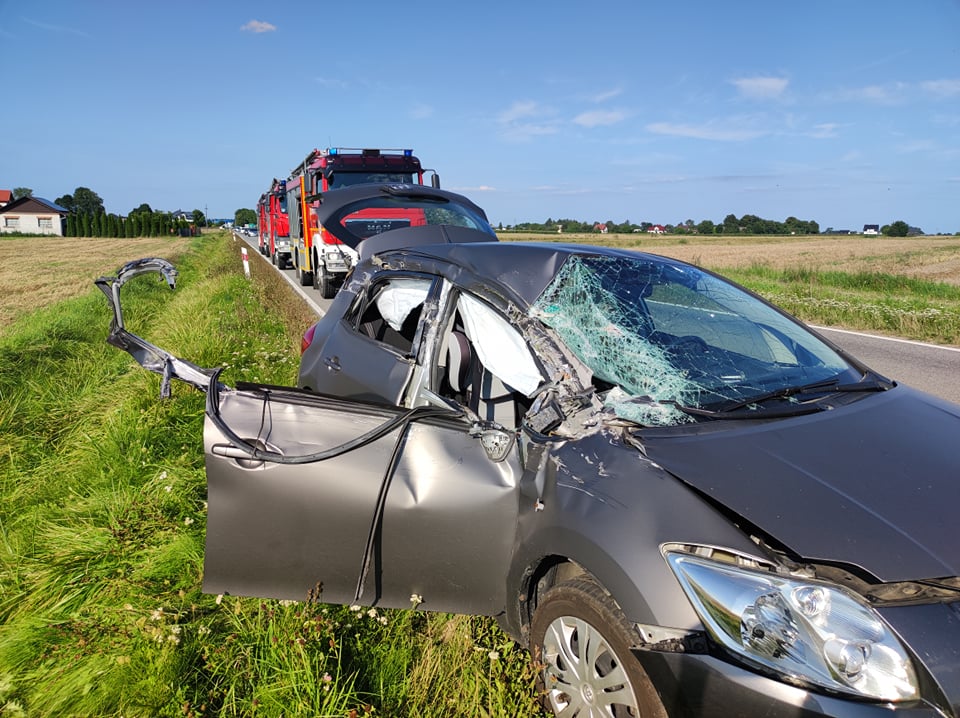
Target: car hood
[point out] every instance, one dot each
(874, 484)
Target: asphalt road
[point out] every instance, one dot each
(928, 367)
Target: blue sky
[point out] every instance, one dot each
(846, 112)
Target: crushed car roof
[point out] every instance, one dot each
(524, 268)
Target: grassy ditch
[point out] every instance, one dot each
(102, 530)
(893, 304)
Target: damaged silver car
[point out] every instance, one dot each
(678, 497)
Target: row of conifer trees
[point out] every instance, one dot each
(139, 224)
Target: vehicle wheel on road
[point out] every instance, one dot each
(306, 278)
(324, 282)
(582, 641)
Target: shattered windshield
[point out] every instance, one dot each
(664, 338)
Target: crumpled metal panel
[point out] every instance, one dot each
(298, 532)
(147, 355)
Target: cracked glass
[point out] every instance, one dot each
(662, 338)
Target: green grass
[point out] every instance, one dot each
(879, 302)
(101, 534)
(103, 494)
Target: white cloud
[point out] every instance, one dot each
(761, 88)
(941, 88)
(258, 26)
(912, 146)
(596, 118)
(605, 95)
(518, 110)
(514, 125)
(56, 28)
(890, 94)
(527, 131)
(824, 130)
(330, 82)
(730, 132)
(421, 111)
(480, 188)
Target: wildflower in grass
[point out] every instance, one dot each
(219, 599)
(416, 599)
(372, 613)
(203, 631)
(187, 521)
(168, 488)
(356, 609)
(157, 614)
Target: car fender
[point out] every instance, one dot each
(609, 509)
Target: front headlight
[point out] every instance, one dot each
(807, 631)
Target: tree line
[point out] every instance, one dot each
(88, 218)
(747, 224)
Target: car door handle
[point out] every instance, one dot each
(241, 457)
(333, 363)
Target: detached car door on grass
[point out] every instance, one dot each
(376, 524)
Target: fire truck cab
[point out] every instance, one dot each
(273, 224)
(319, 258)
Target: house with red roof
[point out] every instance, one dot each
(6, 197)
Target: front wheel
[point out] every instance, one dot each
(582, 641)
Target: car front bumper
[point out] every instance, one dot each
(702, 686)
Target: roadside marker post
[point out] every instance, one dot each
(246, 262)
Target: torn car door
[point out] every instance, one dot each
(369, 354)
(419, 510)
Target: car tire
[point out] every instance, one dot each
(577, 618)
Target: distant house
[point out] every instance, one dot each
(657, 229)
(180, 214)
(6, 197)
(871, 229)
(600, 227)
(33, 215)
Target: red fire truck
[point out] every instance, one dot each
(273, 225)
(319, 258)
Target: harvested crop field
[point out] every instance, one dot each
(935, 259)
(38, 271)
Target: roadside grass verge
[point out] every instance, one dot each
(103, 520)
(874, 301)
